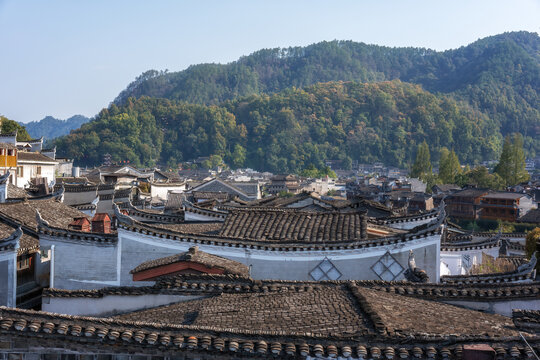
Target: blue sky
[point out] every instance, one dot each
(62, 58)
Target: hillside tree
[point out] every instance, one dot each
(422, 165)
(449, 166)
(511, 166)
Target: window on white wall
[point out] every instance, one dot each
(325, 270)
(387, 267)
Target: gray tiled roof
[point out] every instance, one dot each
(194, 255)
(34, 156)
(55, 213)
(281, 225)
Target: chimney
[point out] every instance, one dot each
(478, 352)
(101, 223)
(80, 224)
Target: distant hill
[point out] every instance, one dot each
(9, 126)
(50, 127)
(497, 75)
(289, 130)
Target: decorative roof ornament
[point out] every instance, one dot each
(413, 273)
(4, 178)
(121, 218)
(12, 240)
(528, 267)
(59, 195)
(185, 202)
(442, 211)
(40, 221)
(191, 252)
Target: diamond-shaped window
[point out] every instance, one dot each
(387, 267)
(325, 270)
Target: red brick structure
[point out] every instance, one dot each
(101, 223)
(81, 224)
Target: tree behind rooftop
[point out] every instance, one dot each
(9, 126)
(449, 166)
(511, 166)
(422, 165)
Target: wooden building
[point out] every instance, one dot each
(465, 204)
(505, 206)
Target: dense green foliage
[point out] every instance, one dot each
(312, 172)
(422, 164)
(10, 126)
(498, 76)
(449, 167)
(50, 127)
(288, 131)
(511, 166)
(480, 177)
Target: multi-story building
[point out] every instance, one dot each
(507, 206)
(474, 204)
(465, 204)
(279, 183)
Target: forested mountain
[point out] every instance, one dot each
(50, 127)
(289, 130)
(498, 75)
(10, 126)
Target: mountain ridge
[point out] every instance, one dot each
(50, 127)
(497, 75)
(289, 130)
(476, 94)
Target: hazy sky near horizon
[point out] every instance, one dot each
(65, 57)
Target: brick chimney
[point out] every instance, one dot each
(101, 223)
(80, 224)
